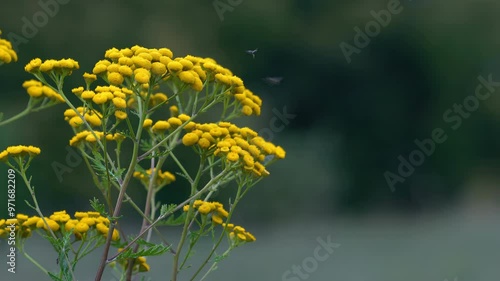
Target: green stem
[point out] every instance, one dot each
(198, 237)
(22, 172)
(194, 186)
(21, 114)
(121, 195)
(180, 206)
(214, 264)
(33, 261)
(181, 167)
(237, 199)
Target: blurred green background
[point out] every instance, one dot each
(351, 123)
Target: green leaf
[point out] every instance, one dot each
(1, 116)
(29, 204)
(193, 235)
(143, 242)
(146, 145)
(172, 221)
(54, 277)
(220, 258)
(166, 208)
(98, 207)
(151, 251)
(62, 246)
(127, 134)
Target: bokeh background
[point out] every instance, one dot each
(351, 121)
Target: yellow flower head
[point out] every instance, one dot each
(158, 68)
(174, 121)
(190, 139)
(174, 111)
(115, 78)
(174, 66)
(142, 76)
(161, 126)
(33, 66)
(19, 151)
(89, 78)
(205, 208)
(147, 123)
(217, 219)
(54, 226)
(81, 227)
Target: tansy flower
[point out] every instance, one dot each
(186, 77)
(54, 226)
(81, 227)
(89, 78)
(87, 95)
(115, 78)
(161, 126)
(7, 53)
(77, 91)
(147, 123)
(119, 103)
(120, 115)
(233, 157)
(247, 110)
(205, 208)
(99, 98)
(174, 111)
(174, 66)
(19, 151)
(33, 65)
(174, 121)
(190, 139)
(142, 76)
(158, 68)
(280, 152)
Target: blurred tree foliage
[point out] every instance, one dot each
(352, 121)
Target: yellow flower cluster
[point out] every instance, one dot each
(89, 78)
(236, 145)
(6, 226)
(89, 137)
(190, 68)
(82, 223)
(36, 89)
(239, 233)
(93, 117)
(218, 213)
(107, 94)
(102, 94)
(19, 151)
(154, 99)
(216, 209)
(88, 221)
(138, 64)
(7, 54)
(140, 264)
(162, 178)
(148, 67)
(58, 66)
(160, 126)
